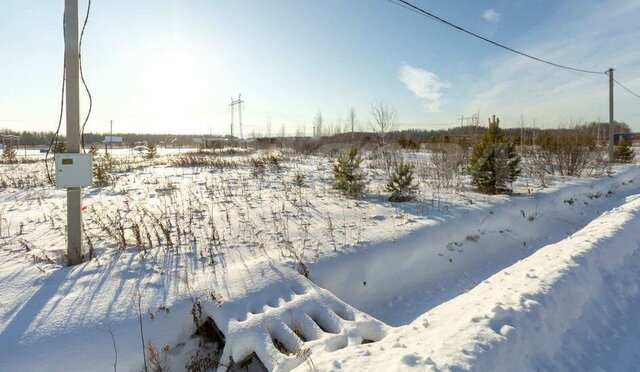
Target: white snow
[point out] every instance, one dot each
(452, 281)
(572, 305)
(456, 251)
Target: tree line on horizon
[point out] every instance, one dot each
(593, 129)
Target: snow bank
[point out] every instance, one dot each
(398, 280)
(556, 309)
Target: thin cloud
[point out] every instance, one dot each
(491, 15)
(516, 84)
(424, 84)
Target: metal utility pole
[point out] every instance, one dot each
(111, 134)
(610, 73)
(107, 144)
(74, 196)
(232, 106)
(239, 102)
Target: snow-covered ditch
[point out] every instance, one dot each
(572, 305)
(399, 279)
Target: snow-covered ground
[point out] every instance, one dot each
(571, 305)
(454, 280)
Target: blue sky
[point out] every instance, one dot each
(172, 66)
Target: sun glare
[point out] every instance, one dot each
(173, 87)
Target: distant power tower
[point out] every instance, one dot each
(236, 102)
(471, 122)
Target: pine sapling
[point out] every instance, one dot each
(348, 177)
(153, 151)
(494, 162)
(401, 183)
(623, 152)
(9, 154)
(60, 147)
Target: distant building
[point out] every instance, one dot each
(117, 140)
(218, 142)
(628, 138)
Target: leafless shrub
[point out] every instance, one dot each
(384, 119)
(444, 167)
(157, 359)
(299, 180)
(257, 167)
(200, 362)
(137, 233)
(228, 151)
(569, 152)
(198, 160)
(20, 180)
(89, 241)
(383, 160)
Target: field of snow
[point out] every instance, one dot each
(235, 264)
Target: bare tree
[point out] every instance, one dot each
(384, 119)
(269, 127)
(318, 121)
(521, 123)
(351, 122)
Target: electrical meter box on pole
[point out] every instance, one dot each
(73, 170)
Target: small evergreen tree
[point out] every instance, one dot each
(623, 152)
(93, 150)
(60, 147)
(401, 183)
(494, 162)
(408, 143)
(348, 177)
(9, 154)
(101, 176)
(153, 151)
(108, 161)
(101, 167)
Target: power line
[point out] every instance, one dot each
(86, 88)
(55, 136)
(420, 11)
(625, 88)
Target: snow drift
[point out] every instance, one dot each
(572, 305)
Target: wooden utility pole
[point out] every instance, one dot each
(74, 196)
(610, 73)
